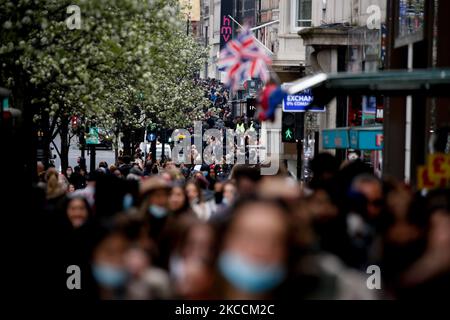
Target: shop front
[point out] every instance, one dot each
(365, 142)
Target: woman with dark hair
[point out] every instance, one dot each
(203, 209)
(178, 200)
(180, 214)
(77, 211)
(68, 172)
(71, 239)
(192, 260)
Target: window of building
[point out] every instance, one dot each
(301, 14)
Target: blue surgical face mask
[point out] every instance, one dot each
(109, 276)
(127, 201)
(157, 211)
(249, 276)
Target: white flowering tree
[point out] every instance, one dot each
(129, 65)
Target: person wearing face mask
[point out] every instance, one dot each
(154, 194)
(108, 266)
(253, 260)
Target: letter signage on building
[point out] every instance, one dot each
(226, 24)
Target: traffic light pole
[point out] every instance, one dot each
(299, 137)
(92, 159)
(299, 159)
(83, 144)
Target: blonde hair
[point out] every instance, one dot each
(54, 188)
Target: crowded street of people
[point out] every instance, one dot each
(227, 150)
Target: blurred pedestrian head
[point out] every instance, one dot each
(372, 189)
(103, 164)
(229, 192)
(201, 180)
(77, 210)
(169, 164)
(155, 195)
(193, 191)
(178, 199)
(192, 264)
(71, 188)
(54, 187)
(108, 263)
(136, 171)
(166, 176)
(254, 256)
(246, 177)
(117, 173)
(69, 172)
(126, 159)
(324, 167)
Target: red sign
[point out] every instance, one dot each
(379, 140)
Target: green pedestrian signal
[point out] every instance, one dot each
(288, 134)
(288, 127)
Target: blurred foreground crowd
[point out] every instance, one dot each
(169, 235)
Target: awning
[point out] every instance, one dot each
(427, 82)
(361, 138)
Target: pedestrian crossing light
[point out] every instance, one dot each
(288, 127)
(288, 134)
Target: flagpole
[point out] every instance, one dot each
(273, 74)
(257, 40)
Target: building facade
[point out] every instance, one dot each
(417, 126)
(275, 24)
(345, 36)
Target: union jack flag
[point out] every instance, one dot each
(242, 58)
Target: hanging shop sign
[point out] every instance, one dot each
(335, 138)
(299, 102)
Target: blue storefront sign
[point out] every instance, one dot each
(299, 102)
(335, 138)
(366, 138)
(361, 138)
